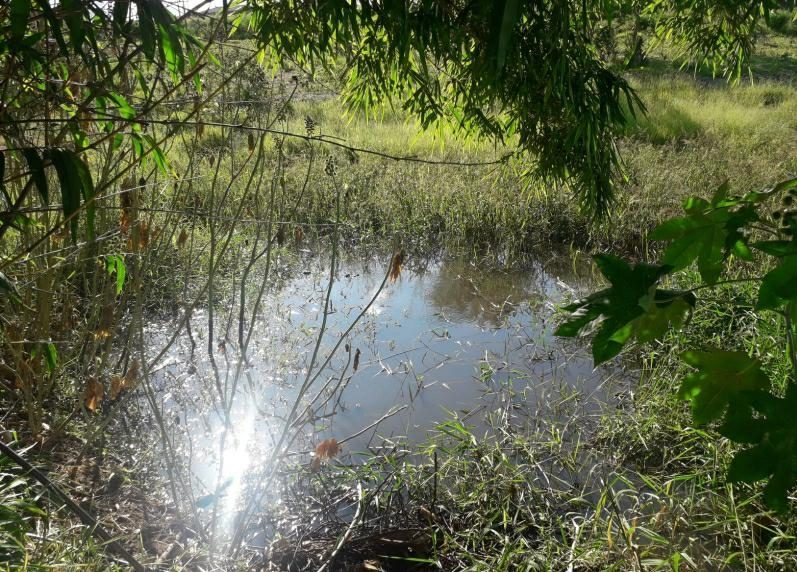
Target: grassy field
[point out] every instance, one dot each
(697, 133)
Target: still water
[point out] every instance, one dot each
(447, 339)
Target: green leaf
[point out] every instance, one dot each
(779, 286)
(50, 356)
(120, 10)
(75, 181)
(115, 264)
(70, 182)
(670, 311)
(55, 25)
(20, 10)
(719, 377)
(631, 307)
(508, 22)
(767, 422)
(708, 234)
(146, 28)
(125, 110)
(36, 166)
(777, 248)
(73, 16)
(751, 465)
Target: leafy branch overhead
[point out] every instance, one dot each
(730, 386)
(524, 71)
(67, 44)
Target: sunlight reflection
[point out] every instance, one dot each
(237, 457)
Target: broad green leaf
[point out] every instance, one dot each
(719, 377)
(631, 307)
(708, 234)
(767, 422)
(663, 315)
(751, 465)
(779, 286)
(36, 166)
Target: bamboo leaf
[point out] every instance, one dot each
(19, 12)
(36, 166)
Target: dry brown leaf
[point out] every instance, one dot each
(250, 142)
(117, 386)
(181, 240)
(120, 383)
(298, 234)
(126, 200)
(132, 373)
(124, 221)
(395, 266)
(93, 394)
(327, 449)
(143, 235)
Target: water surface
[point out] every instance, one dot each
(447, 339)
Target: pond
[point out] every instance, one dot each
(448, 339)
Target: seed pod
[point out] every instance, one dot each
(250, 141)
(309, 125)
(330, 168)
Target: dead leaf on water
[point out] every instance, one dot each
(395, 266)
(324, 451)
(356, 360)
